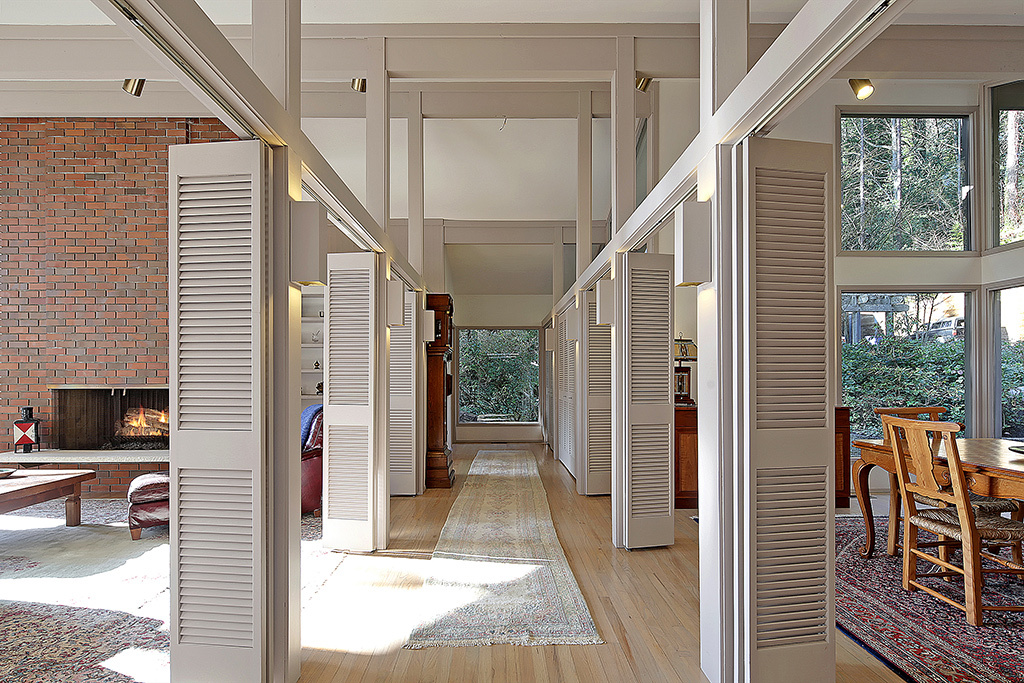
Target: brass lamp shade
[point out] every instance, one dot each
(862, 88)
(642, 83)
(133, 86)
(359, 84)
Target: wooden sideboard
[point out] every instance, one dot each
(686, 456)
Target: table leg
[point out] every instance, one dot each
(894, 514)
(860, 485)
(73, 507)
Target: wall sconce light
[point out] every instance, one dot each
(605, 296)
(359, 84)
(642, 83)
(395, 303)
(693, 243)
(429, 330)
(862, 88)
(133, 86)
(550, 339)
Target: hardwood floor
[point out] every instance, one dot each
(645, 603)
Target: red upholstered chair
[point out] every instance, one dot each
(149, 502)
(313, 466)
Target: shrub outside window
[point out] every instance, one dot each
(903, 349)
(905, 183)
(1010, 330)
(1008, 164)
(499, 375)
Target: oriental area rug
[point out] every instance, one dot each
(919, 637)
(499, 549)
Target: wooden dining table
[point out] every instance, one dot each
(990, 467)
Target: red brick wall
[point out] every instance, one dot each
(83, 254)
(112, 478)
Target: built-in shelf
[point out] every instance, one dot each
(312, 352)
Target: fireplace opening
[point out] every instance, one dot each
(118, 418)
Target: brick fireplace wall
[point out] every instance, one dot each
(83, 255)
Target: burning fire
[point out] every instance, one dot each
(144, 422)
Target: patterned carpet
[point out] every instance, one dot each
(922, 638)
(499, 541)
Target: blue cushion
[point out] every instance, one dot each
(308, 415)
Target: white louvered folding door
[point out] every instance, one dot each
(402, 407)
(790, 425)
(218, 296)
(355, 493)
(565, 361)
(643, 427)
(595, 410)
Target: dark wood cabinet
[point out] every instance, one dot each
(440, 473)
(686, 456)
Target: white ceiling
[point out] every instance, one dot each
(223, 12)
(476, 170)
(500, 269)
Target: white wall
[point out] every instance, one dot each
(815, 119)
(678, 119)
(501, 310)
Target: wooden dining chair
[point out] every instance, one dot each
(958, 525)
(985, 503)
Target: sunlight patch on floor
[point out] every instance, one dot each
(145, 666)
(373, 604)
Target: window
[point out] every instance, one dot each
(499, 375)
(1010, 328)
(905, 183)
(901, 350)
(1008, 167)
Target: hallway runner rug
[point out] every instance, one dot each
(499, 542)
(921, 638)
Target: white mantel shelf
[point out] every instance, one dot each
(84, 456)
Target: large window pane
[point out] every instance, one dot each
(903, 349)
(905, 183)
(1008, 166)
(1010, 324)
(499, 375)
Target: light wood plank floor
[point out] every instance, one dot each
(645, 603)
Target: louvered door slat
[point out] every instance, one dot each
(596, 409)
(401, 418)
(218, 292)
(643, 498)
(789, 398)
(355, 410)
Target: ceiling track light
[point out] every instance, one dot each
(133, 86)
(359, 84)
(862, 88)
(643, 82)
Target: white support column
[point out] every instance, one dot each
(276, 29)
(416, 210)
(584, 183)
(378, 133)
(716, 440)
(557, 268)
(623, 132)
(723, 52)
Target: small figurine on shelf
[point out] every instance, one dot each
(315, 338)
(319, 388)
(316, 365)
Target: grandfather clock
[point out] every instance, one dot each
(440, 473)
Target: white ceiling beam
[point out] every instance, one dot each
(217, 75)
(823, 36)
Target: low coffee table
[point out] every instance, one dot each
(28, 487)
